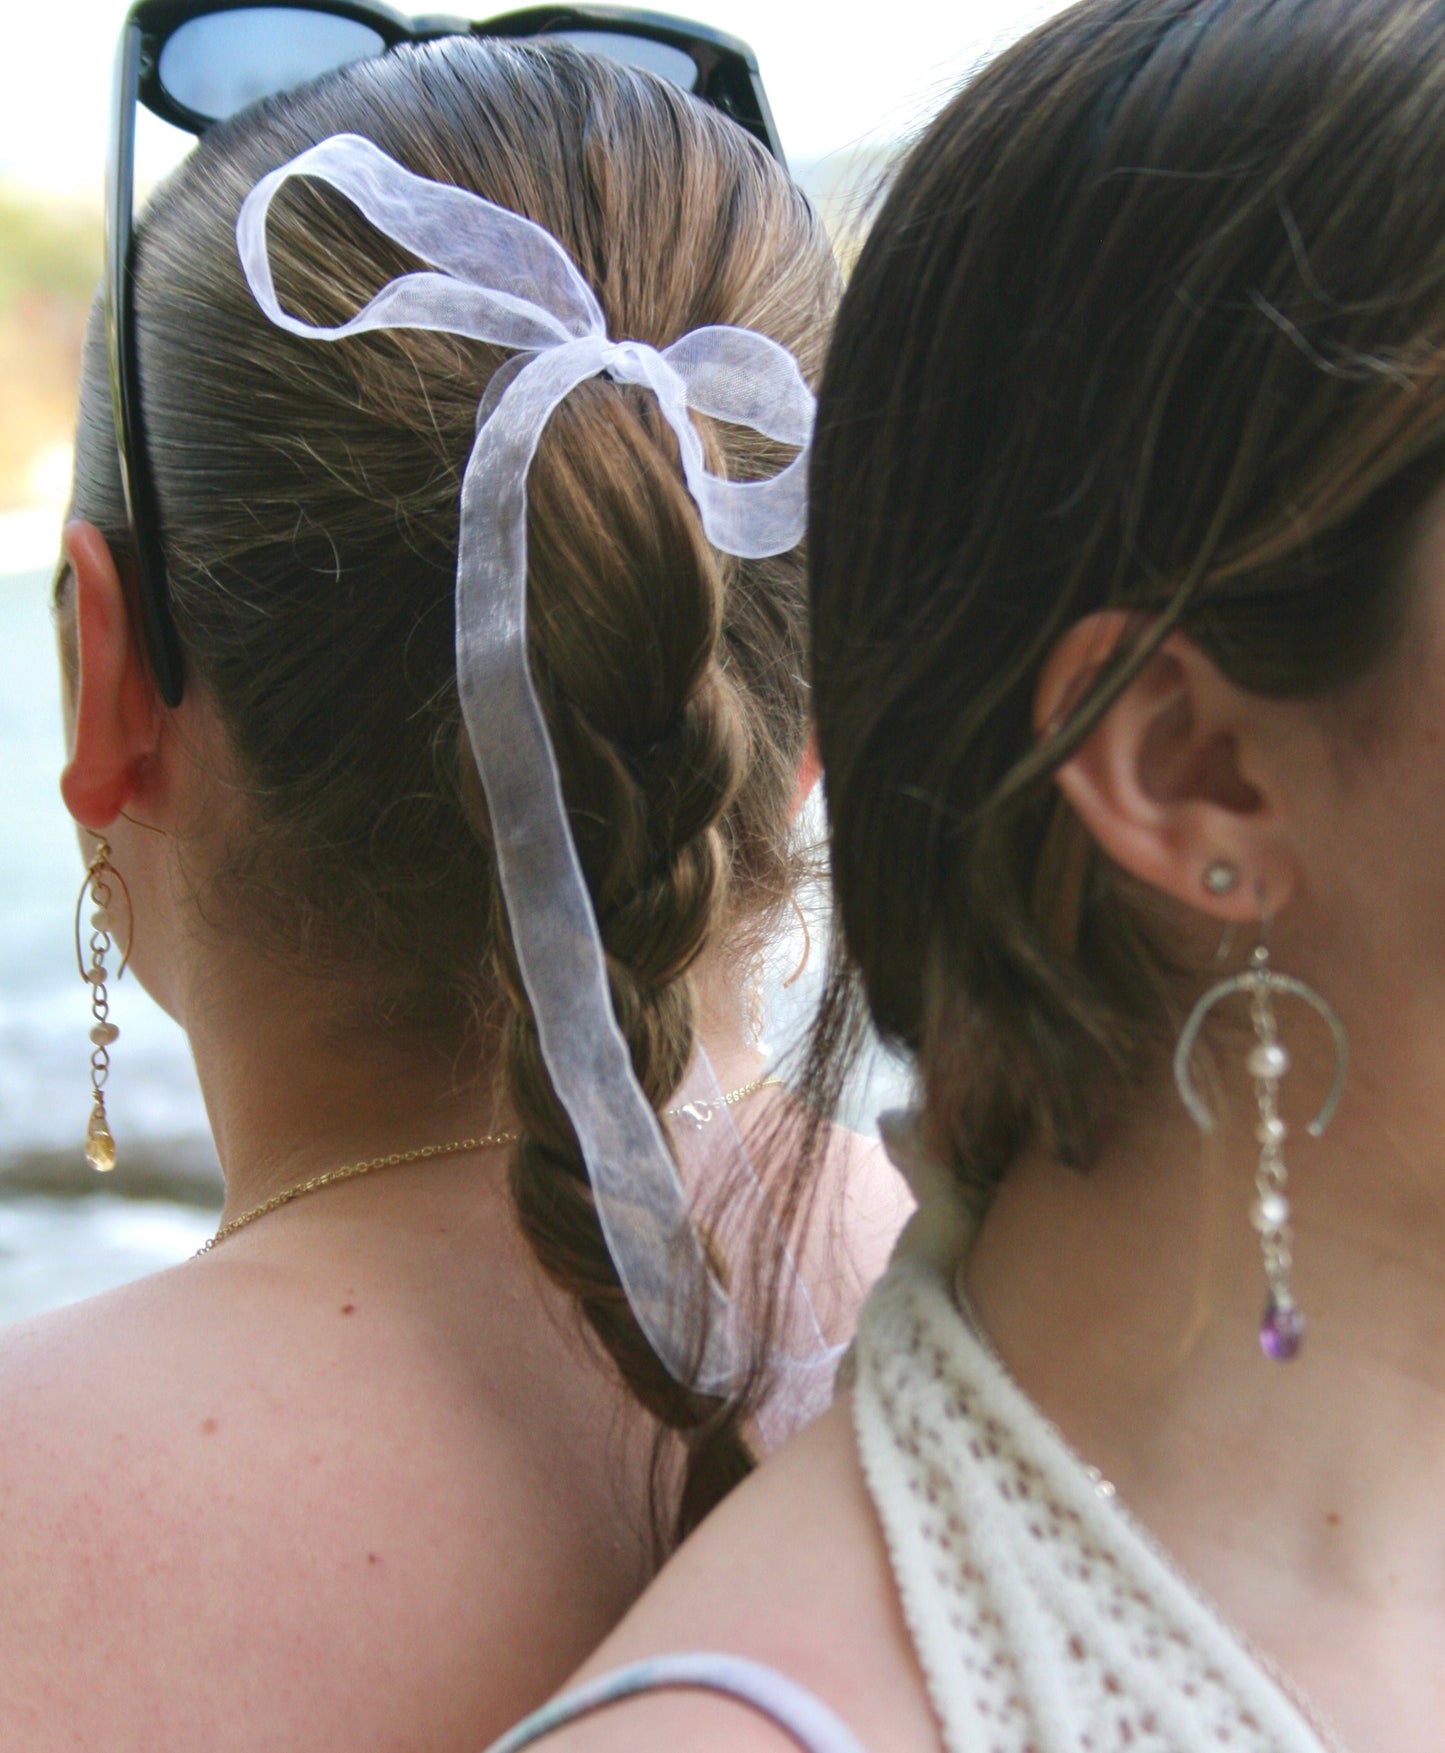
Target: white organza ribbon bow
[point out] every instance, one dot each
(501, 279)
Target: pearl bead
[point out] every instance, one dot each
(1271, 1130)
(104, 1033)
(1271, 1212)
(1268, 1060)
(1102, 1487)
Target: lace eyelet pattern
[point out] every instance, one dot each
(1045, 1619)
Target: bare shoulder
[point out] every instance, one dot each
(108, 1446)
(212, 1460)
(791, 1572)
(83, 1382)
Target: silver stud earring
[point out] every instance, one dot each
(1221, 877)
(1281, 1330)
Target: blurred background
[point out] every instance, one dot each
(849, 84)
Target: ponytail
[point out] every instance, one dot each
(653, 747)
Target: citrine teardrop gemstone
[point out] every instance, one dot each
(99, 1145)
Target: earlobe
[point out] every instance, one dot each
(116, 716)
(810, 768)
(1165, 782)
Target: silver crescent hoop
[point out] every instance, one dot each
(1251, 981)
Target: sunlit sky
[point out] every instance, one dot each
(839, 73)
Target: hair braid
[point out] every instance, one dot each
(652, 748)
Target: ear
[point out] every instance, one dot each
(1171, 782)
(810, 766)
(117, 714)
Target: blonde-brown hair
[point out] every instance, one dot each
(309, 504)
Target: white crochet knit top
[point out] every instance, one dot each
(1045, 1619)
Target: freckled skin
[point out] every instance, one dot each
(503, 1531)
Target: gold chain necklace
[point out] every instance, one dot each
(699, 1113)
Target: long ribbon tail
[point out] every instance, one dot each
(639, 1197)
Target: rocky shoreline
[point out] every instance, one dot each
(183, 1171)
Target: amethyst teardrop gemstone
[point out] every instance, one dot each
(1282, 1331)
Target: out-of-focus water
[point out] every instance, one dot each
(57, 1250)
(56, 1245)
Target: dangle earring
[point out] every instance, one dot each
(1281, 1330)
(755, 1006)
(754, 995)
(797, 972)
(101, 881)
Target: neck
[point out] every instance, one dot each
(291, 1091)
(1127, 1302)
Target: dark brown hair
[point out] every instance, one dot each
(1152, 318)
(309, 499)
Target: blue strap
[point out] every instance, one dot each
(783, 1701)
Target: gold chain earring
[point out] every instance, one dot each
(101, 881)
(755, 1005)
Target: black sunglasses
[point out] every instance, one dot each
(195, 62)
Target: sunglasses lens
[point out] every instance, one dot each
(653, 57)
(217, 64)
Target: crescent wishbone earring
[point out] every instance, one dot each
(101, 881)
(1281, 1329)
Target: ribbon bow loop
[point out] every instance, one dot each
(502, 279)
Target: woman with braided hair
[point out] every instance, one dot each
(454, 892)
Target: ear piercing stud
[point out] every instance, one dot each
(1221, 877)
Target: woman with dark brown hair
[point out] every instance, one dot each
(1128, 550)
(379, 1468)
